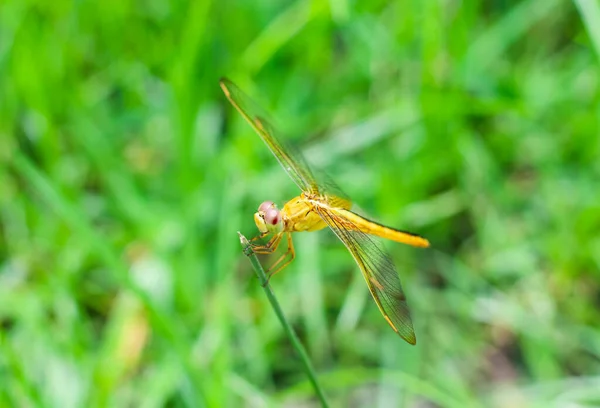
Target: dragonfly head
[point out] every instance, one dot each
(268, 218)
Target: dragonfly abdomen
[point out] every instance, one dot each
(356, 222)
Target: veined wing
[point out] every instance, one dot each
(379, 273)
(290, 159)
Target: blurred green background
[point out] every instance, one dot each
(126, 174)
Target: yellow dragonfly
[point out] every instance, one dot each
(321, 204)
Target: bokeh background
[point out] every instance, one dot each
(126, 174)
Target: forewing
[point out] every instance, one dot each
(290, 159)
(378, 271)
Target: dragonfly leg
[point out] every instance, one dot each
(269, 247)
(278, 266)
(260, 236)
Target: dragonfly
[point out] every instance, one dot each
(322, 204)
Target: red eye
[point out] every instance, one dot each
(272, 216)
(265, 206)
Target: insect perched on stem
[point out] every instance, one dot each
(321, 204)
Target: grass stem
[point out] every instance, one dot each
(262, 277)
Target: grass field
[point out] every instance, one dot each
(125, 175)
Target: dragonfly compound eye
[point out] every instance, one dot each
(265, 206)
(272, 216)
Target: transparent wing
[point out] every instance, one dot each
(291, 160)
(379, 273)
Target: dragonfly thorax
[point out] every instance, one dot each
(268, 218)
